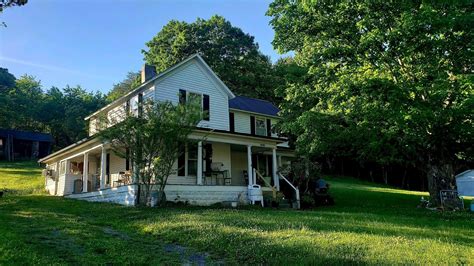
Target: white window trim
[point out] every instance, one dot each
(202, 102)
(264, 123)
(186, 162)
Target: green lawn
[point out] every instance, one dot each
(370, 224)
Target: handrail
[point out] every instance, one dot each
(258, 174)
(297, 191)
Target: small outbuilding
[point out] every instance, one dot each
(465, 183)
(24, 145)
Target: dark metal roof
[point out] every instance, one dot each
(26, 135)
(253, 105)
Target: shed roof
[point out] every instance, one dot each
(253, 105)
(26, 135)
(468, 174)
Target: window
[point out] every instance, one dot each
(260, 127)
(192, 160)
(198, 99)
(187, 161)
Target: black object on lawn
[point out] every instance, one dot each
(321, 193)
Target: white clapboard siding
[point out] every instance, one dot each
(50, 185)
(61, 185)
(239, 165)
(221, 153)
(69, 183)
(93, 127)
(242, 122)
(194, 78)
(116, 115)
(117, 165)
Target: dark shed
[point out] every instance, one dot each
(17, 144)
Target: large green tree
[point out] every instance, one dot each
(132, 81)
(152, 141)
(61, 112)
(231, 53)
(388, 82)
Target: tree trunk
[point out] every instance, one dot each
(384, 175)
(404, 177)
(440, 177)
(330, 164)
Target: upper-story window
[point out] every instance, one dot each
(260, 126)
(197, 98)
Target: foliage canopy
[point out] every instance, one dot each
(387, 82)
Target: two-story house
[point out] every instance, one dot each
(237, 145)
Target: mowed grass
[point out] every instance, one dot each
(370, 224)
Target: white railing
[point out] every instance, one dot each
(258, 174)
(297, 192)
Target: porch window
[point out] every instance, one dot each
(260, 127)
(192, 159)
(187, 162)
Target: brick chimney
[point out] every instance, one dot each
(148, 72)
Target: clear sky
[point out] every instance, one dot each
(95, 43)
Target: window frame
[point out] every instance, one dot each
(201, 95)
(264, 123)
(187, 160)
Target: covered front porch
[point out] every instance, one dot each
(211, 169)
(92, 169)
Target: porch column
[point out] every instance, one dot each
(85, 172)
(249, 164)
(103, 159)
(67, 168)
(276, 179)
(199, 163)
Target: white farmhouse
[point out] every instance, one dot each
(240, 148)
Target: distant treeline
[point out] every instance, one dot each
(24, 105)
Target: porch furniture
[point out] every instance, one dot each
(218, 172)
(450, 199)
(124, 179)
(255, 194)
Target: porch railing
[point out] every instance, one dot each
(297, 191)
(256, 173)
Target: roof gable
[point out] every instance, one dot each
(146, 84)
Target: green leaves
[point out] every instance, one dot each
(385, 82)
(153, 141)
(231, 53)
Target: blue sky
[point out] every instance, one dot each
(95, 43)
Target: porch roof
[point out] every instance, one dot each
(242, 137)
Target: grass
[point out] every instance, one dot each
(370, 224)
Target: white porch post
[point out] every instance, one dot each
(67, 168)
(85, 172)
(249, 164)
(103, 158)
(276, 180)
(199, 163)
